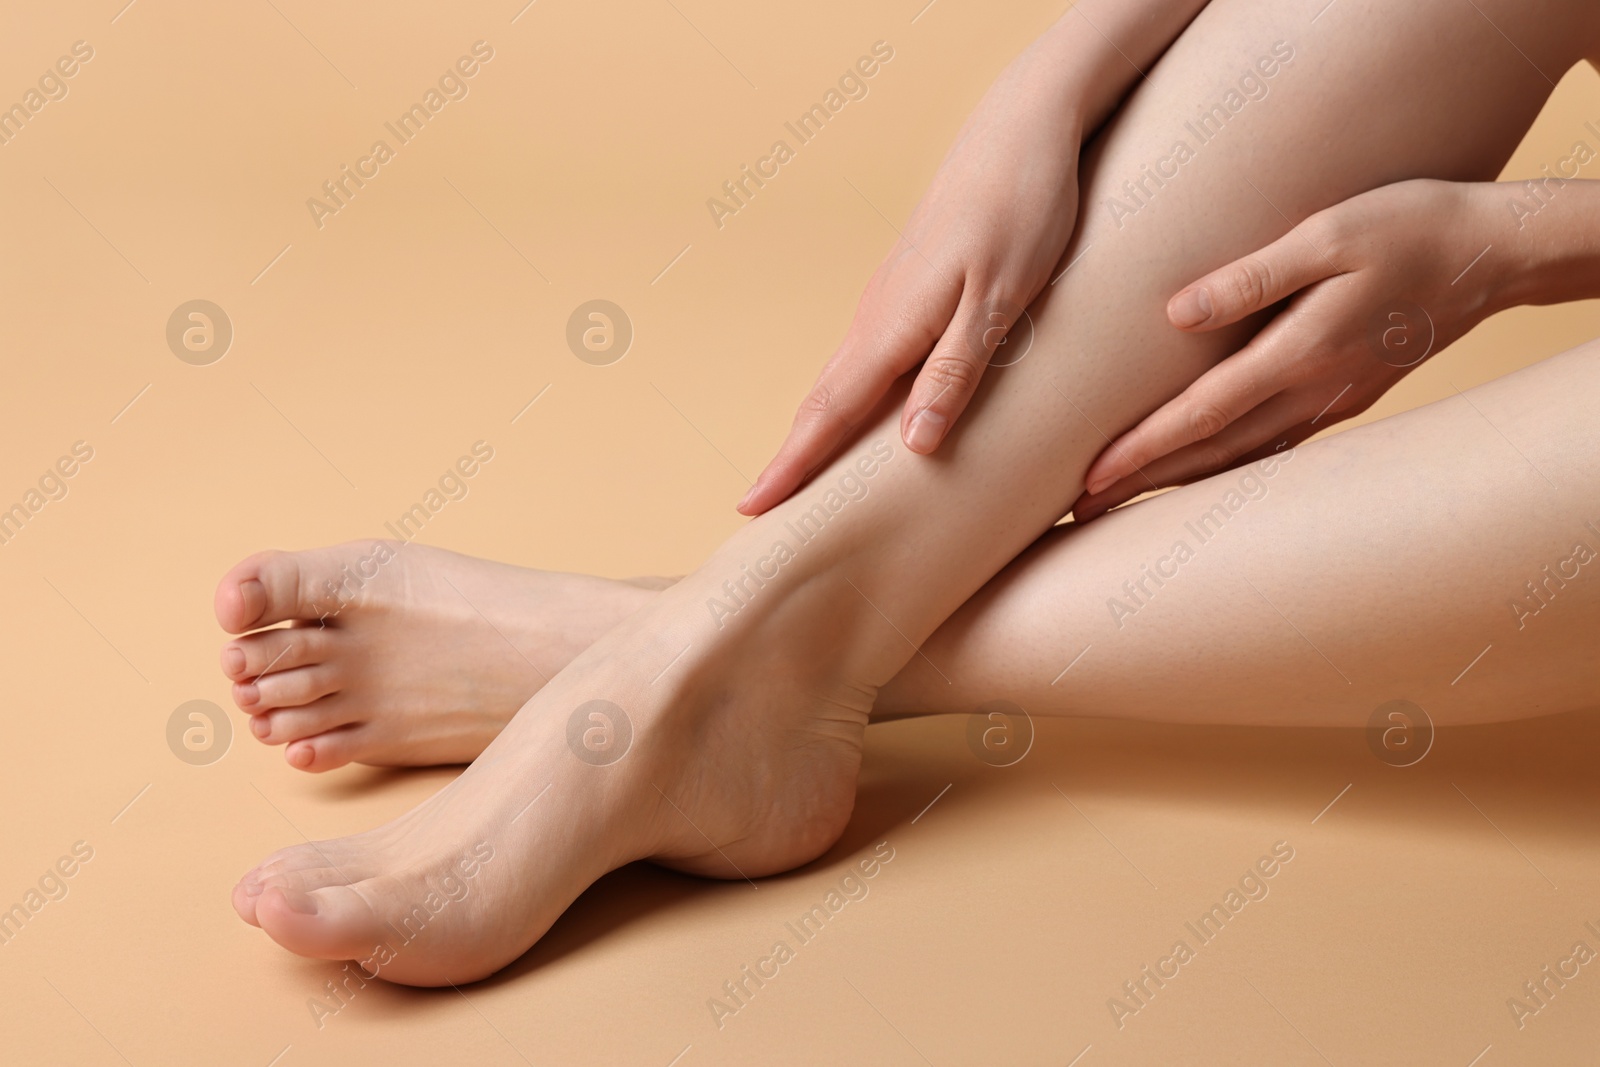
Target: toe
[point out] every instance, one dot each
(276, 650)
(245, 895)
(332, 923)
(329, 750)
(287, 689)
(241, 597)
(292, 724)
(271, 587)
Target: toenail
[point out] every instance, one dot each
(260, 727)
(303, 903)
(233, 660)
(248, 693)
(253, 595)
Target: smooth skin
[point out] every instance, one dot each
(1333, 579)
(428, 665)
(1459, 251)
(967, 228)
(985, 239)
(746, 725)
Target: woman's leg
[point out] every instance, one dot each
(747, 685)
(369, 691)
(1449, 556)
(1391, 577)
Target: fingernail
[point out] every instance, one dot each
(252, 885)
(260, 726)
(745, 502)
(248, 693)
(1191, 308)
(233, 660)
(1098, 484)
(927, 427)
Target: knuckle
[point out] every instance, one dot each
(950, 374)
(1250, 282)
(1207, 420)
(821, 404)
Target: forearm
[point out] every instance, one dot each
(1092, 57)
(1552, 245)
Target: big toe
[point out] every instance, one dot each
(331, 923)
(245, 895)
(267, 588)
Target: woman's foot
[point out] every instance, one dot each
(716, 730)
(729, 751)
(399, 654)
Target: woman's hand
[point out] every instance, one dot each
(977, 250)
(1379, 283)
(982, 242)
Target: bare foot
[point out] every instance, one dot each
(729, 751)
(399, 654)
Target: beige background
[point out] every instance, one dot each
(425, 316)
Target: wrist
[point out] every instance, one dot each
(1096, 52)
(1055, 74)
(1546, 239)
(1504, 275)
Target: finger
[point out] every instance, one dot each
(1265, 426)
(1250, 284)
(1213, 401)
(950, 376)
(896, 325)
(1280, 444)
